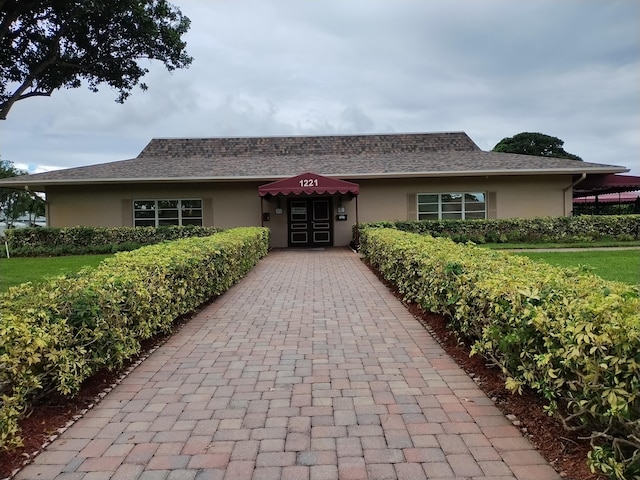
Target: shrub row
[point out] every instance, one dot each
(24, 242)
(584, 228)
(55, 335)
(570, 336)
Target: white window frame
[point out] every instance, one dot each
(157, 220)
(463, 212)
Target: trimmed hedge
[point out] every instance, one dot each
(572, 337)
(55, 335)
(584, 228)
(36, 241)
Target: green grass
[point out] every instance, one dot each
(595, 244)
(17, 270)
(619, 265)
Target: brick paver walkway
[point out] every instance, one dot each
(309, 368)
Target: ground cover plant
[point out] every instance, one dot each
(616, 265)
(56, 334)
(14, 271)
(572, 337)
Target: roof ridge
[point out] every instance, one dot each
(305, 145)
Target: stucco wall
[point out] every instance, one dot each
(238, 204)
(514, 196)
(224, 205)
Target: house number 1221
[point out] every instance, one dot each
(309, 182)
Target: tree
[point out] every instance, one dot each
(527, 143)
(46, 45)
(15, 203)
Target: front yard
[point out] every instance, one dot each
(17, 270)
(616, 265)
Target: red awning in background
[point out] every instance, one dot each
(601, 184)
(309, 183)
(626, 197)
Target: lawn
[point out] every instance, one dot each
(17, 270)
(620, 265)
(590, 244)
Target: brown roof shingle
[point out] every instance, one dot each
(345, 156)
(308, 145)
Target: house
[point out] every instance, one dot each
(310, 190)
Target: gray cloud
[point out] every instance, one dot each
(492, 68)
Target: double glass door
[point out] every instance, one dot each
(310, 223)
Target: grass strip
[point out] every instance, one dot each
(616, 265)
(14, 271)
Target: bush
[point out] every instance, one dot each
(32, 242)
(583, 228)
(572, 337)
(54, 336)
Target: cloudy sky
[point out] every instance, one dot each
(491, 68)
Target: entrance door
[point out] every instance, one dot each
(310, 222)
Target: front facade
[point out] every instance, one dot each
(224, 182)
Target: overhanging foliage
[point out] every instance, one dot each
(46, 45)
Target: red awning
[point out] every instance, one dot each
(600, 184)
(309, 183)
(626, 197)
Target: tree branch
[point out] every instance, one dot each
(51, 45)
(18, 94)
(35, 94)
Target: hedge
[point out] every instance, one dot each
(572, 337)
(584, 228)
(55, 335)
(83, 240)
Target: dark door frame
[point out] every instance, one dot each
(308, 230)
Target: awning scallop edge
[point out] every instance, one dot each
(309, 183)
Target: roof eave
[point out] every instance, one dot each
(35, 185)
(485, 173)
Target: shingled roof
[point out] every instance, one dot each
(339, 145)
(344, 156)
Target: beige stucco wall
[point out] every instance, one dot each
(515, 196)
(238, 204)
(225, 205)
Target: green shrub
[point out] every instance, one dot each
(55, 335)
(32, 242)
(583, 228)
(570, 336)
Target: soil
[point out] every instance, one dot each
(562, 449)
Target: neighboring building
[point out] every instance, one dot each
(609, 198)
(324, 183)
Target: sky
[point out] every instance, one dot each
(490, 68)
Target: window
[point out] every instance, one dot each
(155, 213)
(451, 206)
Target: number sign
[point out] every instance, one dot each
(309, 182)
